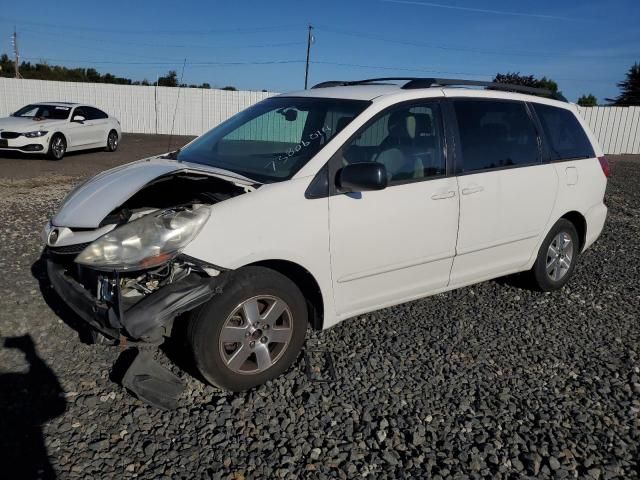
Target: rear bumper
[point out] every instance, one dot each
(147, 320)
(595, 218)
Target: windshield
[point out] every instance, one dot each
(51, 112)
(273, 139)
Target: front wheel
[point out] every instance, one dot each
(57, 147)
(250, 333)
(557, 257)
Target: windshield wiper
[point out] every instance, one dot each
(173, 155)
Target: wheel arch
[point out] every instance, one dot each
(580, 222)
(307, 284)
(61, 133)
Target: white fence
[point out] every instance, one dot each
(140, 109)
(151, 109)
(617, 128)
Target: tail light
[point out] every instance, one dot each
(604, 163)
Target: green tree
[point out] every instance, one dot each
(588, 101)
(629, 88)
(527, 81)
(169, 80)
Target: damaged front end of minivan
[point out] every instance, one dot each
(122, 269)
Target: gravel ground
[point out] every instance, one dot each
(491, 381)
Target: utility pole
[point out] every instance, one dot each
(16, 55)
(309, 42)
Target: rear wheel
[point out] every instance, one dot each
(252, 332)
(112, 141)
(57, 147)
(557, 257)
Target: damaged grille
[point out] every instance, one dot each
(67, 252)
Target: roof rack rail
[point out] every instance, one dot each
(419, 82)
(373, 81)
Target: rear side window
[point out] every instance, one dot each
(565, 136)
(93, 113)
(495, 134)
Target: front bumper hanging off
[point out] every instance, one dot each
(148, 319)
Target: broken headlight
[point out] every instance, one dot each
(146, 242)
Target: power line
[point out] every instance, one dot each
(462, 49)
(480, 10)
(169, 62)
(442, 72)
(403, 69)
(165, 45)
(167, 30)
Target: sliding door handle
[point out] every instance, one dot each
(472, 189)
(443, 195)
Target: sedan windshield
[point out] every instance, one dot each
(272, 140)
(50, 112)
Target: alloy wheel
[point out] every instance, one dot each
(559, 256)
(256, 334)
(58, 147)
(113, 141)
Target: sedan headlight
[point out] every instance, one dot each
(146, 242)
(36, 134)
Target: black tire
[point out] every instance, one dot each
(206, 325)
(112, 141)
(544, 280)
(57, 150)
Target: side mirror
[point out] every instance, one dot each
(362, 177)
(78, 118)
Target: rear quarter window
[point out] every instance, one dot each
(565, 136)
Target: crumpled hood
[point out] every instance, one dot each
(89, 203)
(19, 124)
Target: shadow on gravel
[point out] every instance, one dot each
(55, 303)
(517, 280)
(27, 401)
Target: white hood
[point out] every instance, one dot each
(25, 124)
(89, 203)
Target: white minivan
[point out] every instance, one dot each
(312, 207)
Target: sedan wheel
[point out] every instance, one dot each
(57, 147)
(112, 141)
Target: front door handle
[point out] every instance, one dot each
(472, 189)
(443, 195)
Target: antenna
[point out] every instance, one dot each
(16, 54)
(310, 40)
(175, 112)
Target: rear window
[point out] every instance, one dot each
(94, 113)
(495, 134)
(565, 136)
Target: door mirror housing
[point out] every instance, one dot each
(78, 118)
(362, 177)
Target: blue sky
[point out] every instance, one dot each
(586, 46)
